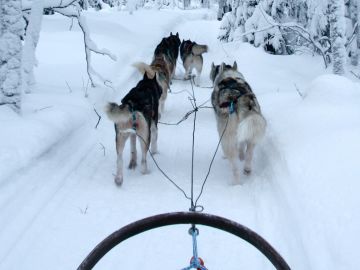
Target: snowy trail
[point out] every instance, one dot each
(60, 207)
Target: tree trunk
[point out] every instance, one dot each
(31, 41)
(221, 10)
(337, 35)
(358, 33)
(11, 30)
(205, 3)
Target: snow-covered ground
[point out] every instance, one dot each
(57, 194)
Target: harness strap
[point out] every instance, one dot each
(231, 107)
(133, 119)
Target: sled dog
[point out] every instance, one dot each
(158, 68)
(238, 116)
(169, 47)
(163, 64)
(191, 55)
(136, 116)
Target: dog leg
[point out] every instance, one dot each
(188, 69)
(144, 143)
(133, 163)
(241, 151)
(198, 68)
(120, 144)
(154, 136)
(235, 169)
(248, 158)
(187, 74)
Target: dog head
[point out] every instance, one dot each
(174, 39)
(216, 69)
(223, 71)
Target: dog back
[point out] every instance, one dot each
(144, 97)
(188, 47)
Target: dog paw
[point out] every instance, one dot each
(145, 171)
(118, 180)
(247, 171)
(154, 149)
(132, 164)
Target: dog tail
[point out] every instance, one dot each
(252, 128)
(199, 49)
(117, 113)
(142, 67)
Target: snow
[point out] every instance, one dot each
(57, 194)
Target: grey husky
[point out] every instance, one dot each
(239, 120)
(191, 55)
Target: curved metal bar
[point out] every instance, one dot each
(167, 219)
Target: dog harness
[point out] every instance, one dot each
(134, 124)
(232, 85)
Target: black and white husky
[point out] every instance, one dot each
(137, 116)
(238, 116)
(191, 55)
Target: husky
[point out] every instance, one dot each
(240, 123)
(191, 55)
(160, 69)
(137, 115)
(169, 47)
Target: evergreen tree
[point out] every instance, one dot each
(11, 31)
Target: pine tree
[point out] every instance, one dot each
(337, 35)
(11, 31)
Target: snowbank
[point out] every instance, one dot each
(45, 121)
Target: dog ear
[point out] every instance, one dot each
(234, 66)
(171, 34)
(145, 76)
(177, 34)
(212, 65)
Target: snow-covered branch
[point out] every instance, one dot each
(353, 35)
(27, 4)
(74, 11)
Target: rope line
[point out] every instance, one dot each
(211, 163)
(162, 171)
(195, 207)
(193, 148)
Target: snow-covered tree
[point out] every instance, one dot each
(227, 27)
(358, 32)
(337, 35)
(353, 7)
(11, 31)
(270, 38)
(291, 26)
(205, 3)
(31, 40)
